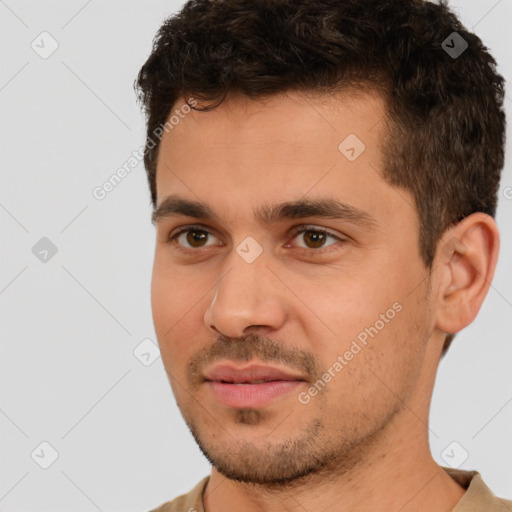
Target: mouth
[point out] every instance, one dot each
(253, 386)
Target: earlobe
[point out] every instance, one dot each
(466, 261)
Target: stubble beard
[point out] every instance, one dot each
(319, 451)
(311, 456)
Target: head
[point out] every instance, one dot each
(350, 121)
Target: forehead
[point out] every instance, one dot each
(292, 133)
(240, 121)
(247, 152)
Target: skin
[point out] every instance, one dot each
(300, 302)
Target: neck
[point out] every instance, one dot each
(402, 476)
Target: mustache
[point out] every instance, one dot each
(252, 346)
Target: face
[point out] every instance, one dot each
(289, 297)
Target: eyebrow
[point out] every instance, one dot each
(267, 214)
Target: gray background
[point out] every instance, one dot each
(70, 324)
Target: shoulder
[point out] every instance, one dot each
(189, 502)
(478, 495)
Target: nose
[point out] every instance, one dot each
(248, 297)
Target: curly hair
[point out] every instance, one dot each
(445, 135)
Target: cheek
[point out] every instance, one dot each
(345, 305)
(375, 374)
(173, 293)
(370, 322)
(175, 305)
(163, 300)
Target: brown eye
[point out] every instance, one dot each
(196, 238)
(193, 238)
(309, 238)
(314, 239)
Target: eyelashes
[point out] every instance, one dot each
(195, 237)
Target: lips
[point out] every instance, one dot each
(255, 386)
(254, 374)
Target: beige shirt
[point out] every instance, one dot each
(478, 497)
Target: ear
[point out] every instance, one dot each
(466, 261)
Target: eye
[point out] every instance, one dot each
(311, 237)
(308, 237)
(193, 237)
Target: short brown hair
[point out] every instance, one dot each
(446, 124)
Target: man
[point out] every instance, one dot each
(324, 179)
